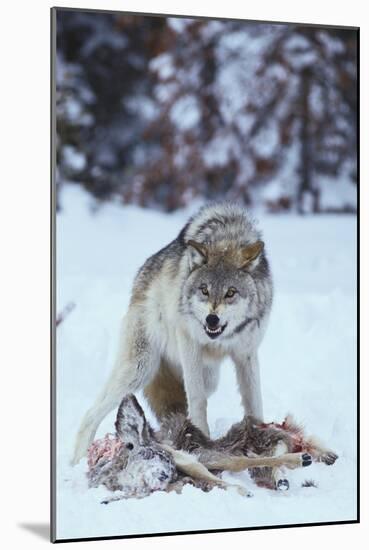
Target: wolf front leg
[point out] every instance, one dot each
(137, 361)
(193, 377)
(248, 378)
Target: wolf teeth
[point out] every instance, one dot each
(215, 331)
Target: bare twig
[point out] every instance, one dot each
(64, 313)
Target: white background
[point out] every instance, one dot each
(24, 304)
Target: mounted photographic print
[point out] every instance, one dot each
(204, 271)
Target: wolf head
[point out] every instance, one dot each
(224, 291)
(228, 283)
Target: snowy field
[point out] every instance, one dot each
(308, 360)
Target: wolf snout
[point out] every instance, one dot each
(212, 320)
(212, 326)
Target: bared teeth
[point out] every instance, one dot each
(213, 331)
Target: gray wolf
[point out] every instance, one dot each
(138, 461)
(205, 296)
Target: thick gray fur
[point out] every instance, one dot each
(216, 266)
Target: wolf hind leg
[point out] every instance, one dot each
(128, 376)
(103, 405)
(165, 392)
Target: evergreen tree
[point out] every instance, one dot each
(158, 111)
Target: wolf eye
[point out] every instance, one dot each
(204, 290)
(230, 293)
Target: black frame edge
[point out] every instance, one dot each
(53, 12)
(53, 25)
(210, 531)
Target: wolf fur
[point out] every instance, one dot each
(205, 296)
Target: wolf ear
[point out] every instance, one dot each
(250, 252)
(198, 253)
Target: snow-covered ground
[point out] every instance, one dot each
(308, 361)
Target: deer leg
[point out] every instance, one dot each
(176, 486)
(199, 468)
(279, 476)
(190, 465)
(239, 463)
(320, 452)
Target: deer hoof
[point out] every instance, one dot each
(328, 458)
(306, 459)
(283, 485)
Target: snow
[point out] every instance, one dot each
(308, 361)
(179, 24)
(332, 44)
(266, 140)
(141, 105)
(299, 52)
(74, 158)
(73, 109)
(185, 113)
(316, 101)
(219, 150)
(163, 65)
(337, 192)
(165, 92)
(103, 35)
